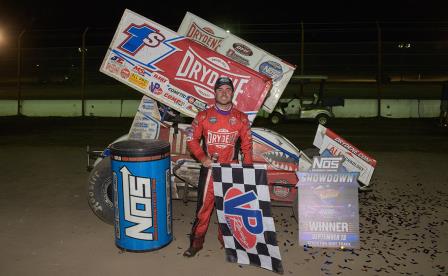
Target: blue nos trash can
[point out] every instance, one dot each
(142, 194)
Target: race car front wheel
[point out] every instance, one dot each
(323, 119)
(276, 118)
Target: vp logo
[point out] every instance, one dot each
(243, 216)
(139, 36)
(155, 88)
(137, 205)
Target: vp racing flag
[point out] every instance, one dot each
(243, 206)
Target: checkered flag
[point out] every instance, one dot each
(243, 206)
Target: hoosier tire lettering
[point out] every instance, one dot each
(100, 191)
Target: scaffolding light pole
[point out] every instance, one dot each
(19, 72)
(379, 79)
(83, 73)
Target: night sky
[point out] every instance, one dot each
(15, 15)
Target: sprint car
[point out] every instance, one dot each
(282, 158)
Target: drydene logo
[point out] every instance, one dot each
(137, 204)
(222, 138)
(204, 36)
(243, 217)
(203, 73)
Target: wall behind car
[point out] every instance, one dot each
(353, 108)
(391, 108)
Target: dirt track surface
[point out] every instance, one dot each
(47, 228)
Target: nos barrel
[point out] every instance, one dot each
(142, 194)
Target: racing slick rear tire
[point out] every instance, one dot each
(100, 191)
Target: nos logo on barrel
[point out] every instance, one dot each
(243, 216)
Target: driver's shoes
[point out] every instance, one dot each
(190, 252)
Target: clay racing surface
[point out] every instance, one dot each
(47, 228)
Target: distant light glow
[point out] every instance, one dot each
(227, 31)
(405, 45)
(2, 37)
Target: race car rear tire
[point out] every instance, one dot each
(100, 191)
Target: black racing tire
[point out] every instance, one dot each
(323, 119)
(276, 118)
(100, 191)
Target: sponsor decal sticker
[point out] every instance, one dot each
(233, 55)
(139, 36)
(221, 138)
(139, 70)
(197, 103)
(117, 60)
(138, 80)
(113, 68)
(212, 120)
(178, 93)
(125, 73)
(160, 78)
(154, 87)
(280, 191)
(271, 69)
(243, 217)
(203, 73)
(174, 99)
(204, 36)
(137, 205)
(242, 49)
(147, 39)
